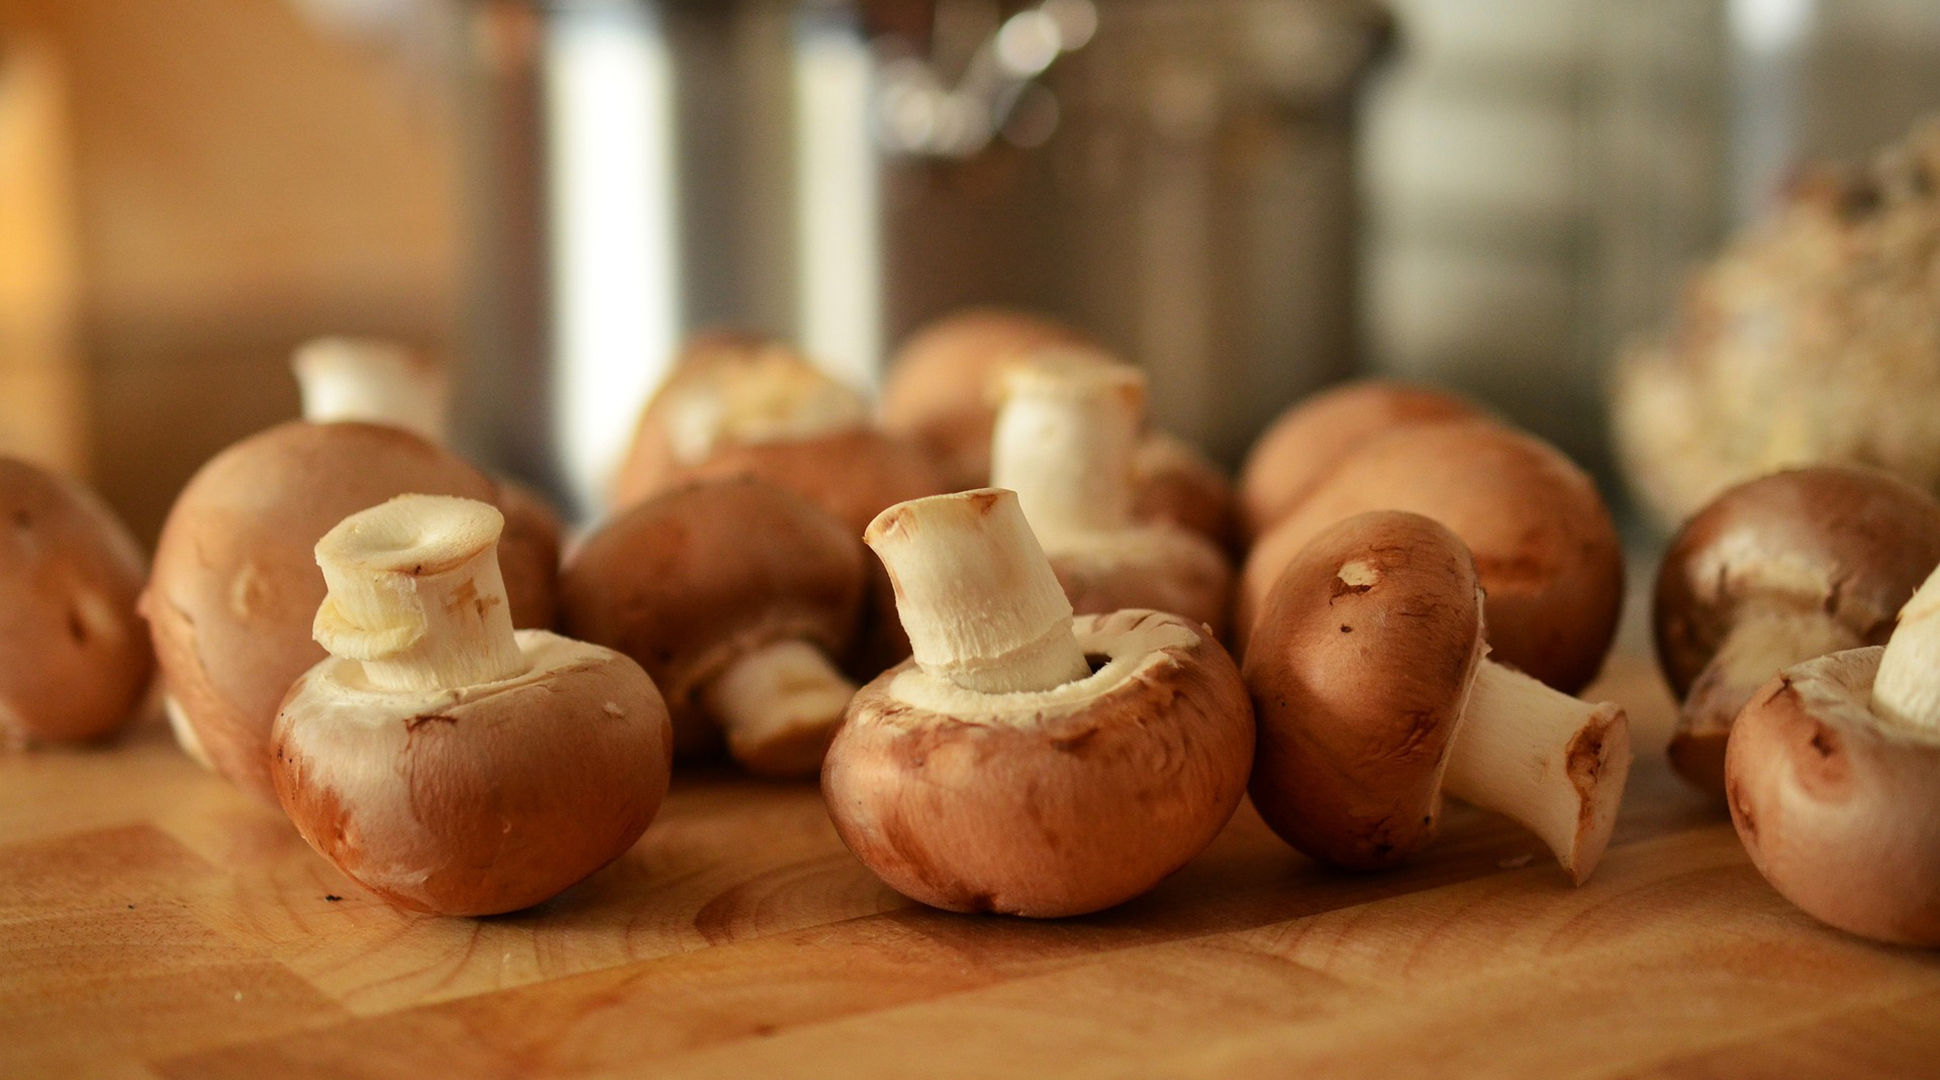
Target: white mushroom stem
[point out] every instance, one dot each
(1544, 759)
(976, 595)
(775, 397)
(376, 382)
(777, 694)
(415, 594)
(1765, 640)
(1066, 441)
(1907, 688)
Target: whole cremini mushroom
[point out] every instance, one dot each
(1064, 442)
(1543, 540)
(381, 382)
(1833, 773)
(1317, 433)
(734, 595)
(1374, 695)
(444, 761)
(235, 584)
(1775, 571)
(74, 657)
(1026, 762)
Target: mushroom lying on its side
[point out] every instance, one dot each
(444, 761)
(1775, 571)
(1025, 762)
(1374, 694)
(1832, 773)
(74, 658)
(1064, 443)
(734, 595)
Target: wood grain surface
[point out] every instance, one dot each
(153, 923)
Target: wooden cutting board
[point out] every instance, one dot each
(155, 924)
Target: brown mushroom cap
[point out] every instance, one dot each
(480, 800)
(1852, 542)
(1313, 437)
(528, 556)
(1359, 669)
(236, 586)
(74, 658)
(1175, 483)
(1834, 803)
(691, 580)
(1544, 545)
(853, 475)
(1046, 804)
(1161, 568)
(937, 391)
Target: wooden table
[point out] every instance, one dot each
(155, 924)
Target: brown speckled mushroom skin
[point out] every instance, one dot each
(1048, 816)
(1355, 790)
(854, 474)
(1175, 483)
(1313, 437)
(1544, 545)
(1834, 807)
(1866, 539)
(74, 657)
(513, 795)
(235, 584)
(937, 392)
(1190, 581)
(752, 564)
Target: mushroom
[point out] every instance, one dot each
(1831, 774)
(1374, 694)
(941, 392)
(1064, 442)
(235, 586)
(724, 389)
(1313, 437)
(1023, 761)
(734, 595)
(74, 659)
(1542, 538)
(1778, 570)
(444, 761)
(381, 382)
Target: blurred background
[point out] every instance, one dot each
(1250, 197)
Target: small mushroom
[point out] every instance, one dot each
(1026, 762)
(734, 595)
(1775, 571)
(1313, 437)
(235, 585)
(381, 382)
(1374, 695)
(942, 391)
(74, 658)
(1064, 442)
(725, 389)
(1832, 772)
(1542, 538)
(446, 762)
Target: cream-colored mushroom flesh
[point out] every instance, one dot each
(1775, 571)
(438, 757)
(1024, 762)
(373, 381)
(1368, 675)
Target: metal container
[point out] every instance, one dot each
(1176, 177)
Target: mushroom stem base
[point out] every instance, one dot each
(1552, 763)
(779, 706)
(1763, 643)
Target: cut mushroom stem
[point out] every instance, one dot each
(1766, 639)
(415, 594)
(779, 705)
(1066, 441)
(1905, 689)
(376, 382)
(976, 594)
(1548, 761)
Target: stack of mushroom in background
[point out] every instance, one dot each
(994, 618)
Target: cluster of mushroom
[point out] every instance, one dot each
(1794, 618)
